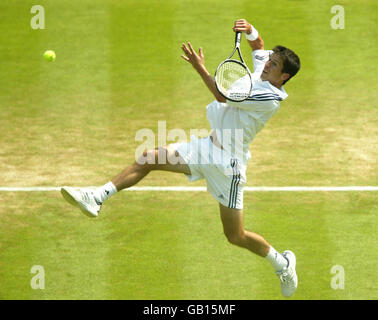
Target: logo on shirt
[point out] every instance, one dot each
(259, 57)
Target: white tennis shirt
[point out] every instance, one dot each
(237, 123)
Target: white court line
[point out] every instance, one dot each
(202, 189)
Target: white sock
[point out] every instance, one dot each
(105, 192)
(277, 260)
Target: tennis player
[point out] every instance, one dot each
(221, 158)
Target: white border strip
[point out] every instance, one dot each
(202, 189)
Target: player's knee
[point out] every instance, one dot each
(235, 238)
(147, 160)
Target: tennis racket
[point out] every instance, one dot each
(232, 77)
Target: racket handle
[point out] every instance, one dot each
(237, 39)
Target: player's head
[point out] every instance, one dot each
(282, 65)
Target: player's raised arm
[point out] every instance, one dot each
(198, 63)
(254, 39)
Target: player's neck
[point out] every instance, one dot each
(278, 85)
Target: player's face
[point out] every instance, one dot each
(273, 70)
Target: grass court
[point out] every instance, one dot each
(118, 70)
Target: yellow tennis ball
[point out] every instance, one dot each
(49, 55)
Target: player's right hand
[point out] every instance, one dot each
(242, 25)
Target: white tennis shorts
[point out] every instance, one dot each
(225, 176)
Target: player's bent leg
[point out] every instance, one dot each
(232, 220)
(284, 263)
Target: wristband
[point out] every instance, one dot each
(253, 35)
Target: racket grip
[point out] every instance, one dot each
(237, 39)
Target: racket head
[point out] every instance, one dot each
(233, 80)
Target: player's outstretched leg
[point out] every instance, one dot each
(89, 201)
(284, 264)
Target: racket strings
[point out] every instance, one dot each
(233, 80)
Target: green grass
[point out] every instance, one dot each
(167, 249)
(118, 70)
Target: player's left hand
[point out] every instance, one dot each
(197, 60)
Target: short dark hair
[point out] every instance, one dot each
(291, 62)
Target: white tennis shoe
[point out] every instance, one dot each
(288, 276)
(83, 199)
